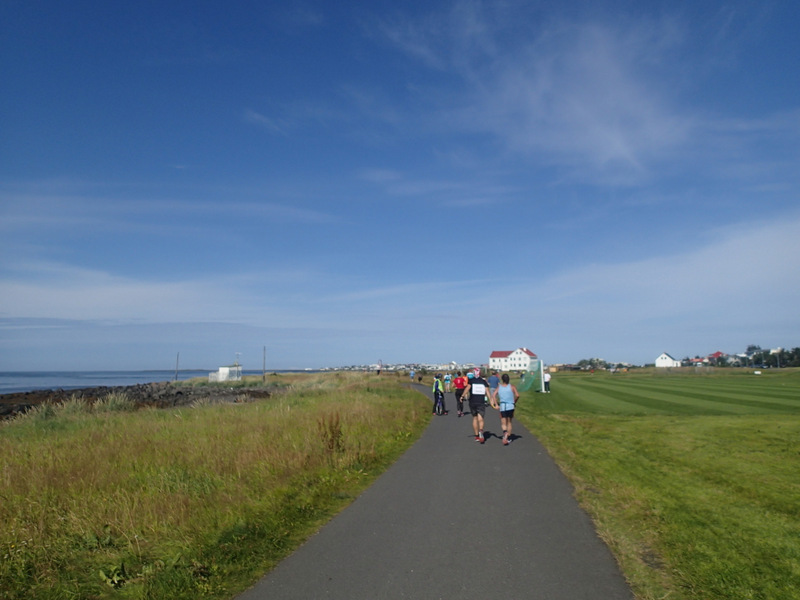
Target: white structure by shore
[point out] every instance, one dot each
(232, 373)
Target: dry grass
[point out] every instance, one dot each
(104, 489)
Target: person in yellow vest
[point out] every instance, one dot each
(438, 393)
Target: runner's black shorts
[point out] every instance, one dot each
(507, 414)
(477, 409)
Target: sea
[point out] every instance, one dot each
(28, 381)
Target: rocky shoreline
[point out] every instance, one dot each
(159, 395)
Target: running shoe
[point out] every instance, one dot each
(505, 440)
(480, 437)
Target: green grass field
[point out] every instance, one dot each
(649, 392)
(693, 478)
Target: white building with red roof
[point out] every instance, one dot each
(511, 360)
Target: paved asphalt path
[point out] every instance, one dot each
(454, 519)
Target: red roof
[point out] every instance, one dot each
(507, 353)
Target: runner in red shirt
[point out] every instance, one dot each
(459, 383)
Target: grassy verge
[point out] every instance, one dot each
(101, 502)
(691, 479)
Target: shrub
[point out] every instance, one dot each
(74, 406)
(115, 403)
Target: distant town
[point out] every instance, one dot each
(753, 356)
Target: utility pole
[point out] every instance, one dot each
(264, 367)
(177, 361)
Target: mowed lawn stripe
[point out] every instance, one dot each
(614, 399)
(568, 399)
(668, 402)
(756, 387)
(788, 394)
(713, 396)
(585, 396)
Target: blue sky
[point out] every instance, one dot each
(342, 183)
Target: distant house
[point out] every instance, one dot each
(665, 360)
(511, 360)
(718, 358)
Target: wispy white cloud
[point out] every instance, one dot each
(299, 17)
(82, 205)
(603, 102)
(448, 192)
(742, 286)
(752, 151)
(376, 175)
(733, 271)
(274, 125)
(579, 97)
(38, 290)
(302, 117)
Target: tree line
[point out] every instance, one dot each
(773, 359)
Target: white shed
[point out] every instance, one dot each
(232, 373)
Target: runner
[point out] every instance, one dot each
(494, 381)
(506, 399)
(477, 388)
(447, 379)
(459, 383)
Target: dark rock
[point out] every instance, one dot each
(159, 395)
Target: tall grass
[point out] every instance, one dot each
(192, 502)
(692, 478)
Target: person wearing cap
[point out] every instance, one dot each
(477, 390)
